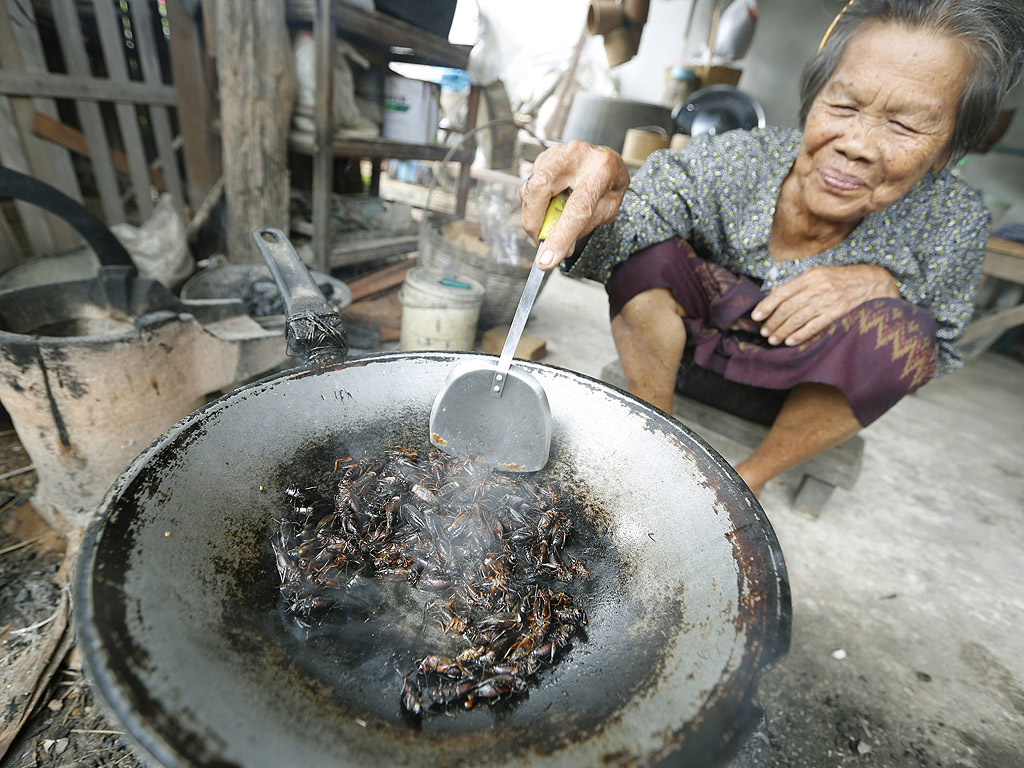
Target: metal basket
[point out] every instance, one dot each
(503, 283)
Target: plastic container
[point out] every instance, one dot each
(439, 310)
(411, 110)
(503, 283)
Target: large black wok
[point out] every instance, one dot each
(178, 610)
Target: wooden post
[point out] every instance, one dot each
(462, 194)
(20, 50)
(323, 150)
(201, 151)
(256, 85)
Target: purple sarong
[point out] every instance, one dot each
(879, 352)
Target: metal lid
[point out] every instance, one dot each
(717, 109)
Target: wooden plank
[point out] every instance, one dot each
(370, 27)
(812, 496)
(84, 87)
(383, 312)
(12, 155)
(381, 280)
(202, 161)
(998, 300)
(74, 141)
(304, 143)
(111, 31)
(69, 30)
(20, 50)
(149, 62)
(1008, 247)
(348, 252)
(530, 347)
(1004, 265)
(995, 323)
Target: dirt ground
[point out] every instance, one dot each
(67, 729)
(906, 591)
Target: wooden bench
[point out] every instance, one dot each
(819, 476)
(999, 305)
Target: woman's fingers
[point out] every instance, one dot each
(804, 323)
(796, 311)
(574, 223)
(598, 179)
(802, 308)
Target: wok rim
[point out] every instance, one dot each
(769, 647)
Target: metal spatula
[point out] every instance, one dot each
(493, 412)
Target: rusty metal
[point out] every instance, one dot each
(92, 371)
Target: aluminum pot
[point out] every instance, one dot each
(177, 606)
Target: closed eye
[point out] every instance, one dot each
(901, 127)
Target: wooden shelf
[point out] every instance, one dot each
(387, 39)
(375, 149)
(402, 41)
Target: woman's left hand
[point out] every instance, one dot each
(800, 309)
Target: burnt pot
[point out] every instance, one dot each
(178, 616)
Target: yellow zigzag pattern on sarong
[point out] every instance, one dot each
(889, 327)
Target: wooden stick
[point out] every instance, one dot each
(97, 730)
(205, 209)
(18, 471)
(20, 545)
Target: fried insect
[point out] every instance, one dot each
(489, 545)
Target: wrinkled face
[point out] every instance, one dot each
(881, 121)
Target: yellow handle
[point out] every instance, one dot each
(553, 214)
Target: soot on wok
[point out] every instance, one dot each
(489, 549)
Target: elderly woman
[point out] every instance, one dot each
(833, 266)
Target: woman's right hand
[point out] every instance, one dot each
(598, 179)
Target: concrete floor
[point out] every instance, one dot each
(908, 591)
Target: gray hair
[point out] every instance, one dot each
(991, 30)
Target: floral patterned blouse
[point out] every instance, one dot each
(719, 194)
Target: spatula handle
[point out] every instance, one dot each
(533, 283)
(515, 332)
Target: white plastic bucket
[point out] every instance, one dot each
(436, 314)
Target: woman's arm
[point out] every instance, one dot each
(949, 292)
